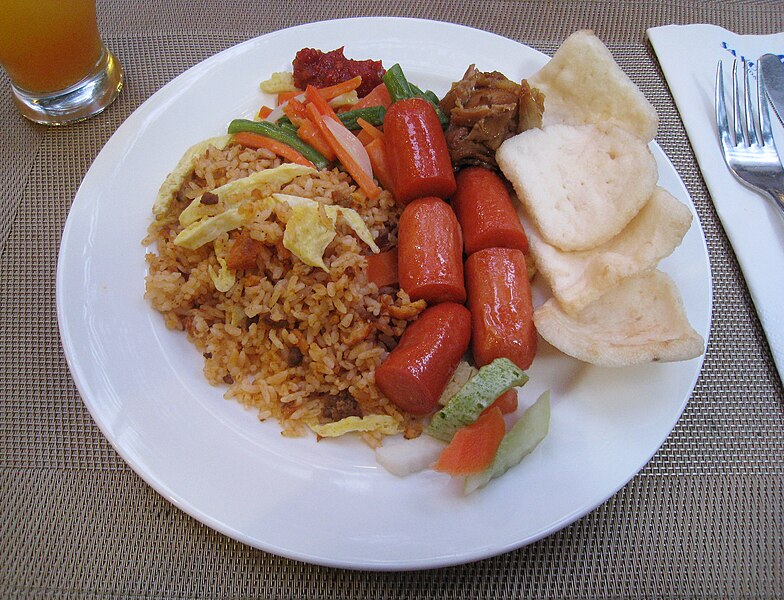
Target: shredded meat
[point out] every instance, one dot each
(484, 110)
(335, 408)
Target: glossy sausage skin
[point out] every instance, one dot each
(486, 212)
(416, 151)
(430, 252)
(499, 296)
(416, 372)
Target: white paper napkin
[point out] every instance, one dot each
(688, 55)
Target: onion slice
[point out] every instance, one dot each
(350, 144)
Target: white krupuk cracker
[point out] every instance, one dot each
(642, 319)
(583, 84)
(580, 184)
(579, 278)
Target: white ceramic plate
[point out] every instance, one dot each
(328, 502)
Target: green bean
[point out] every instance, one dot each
(372, 114)
(281, 134)
(397, 84)
(433, 99)
(400, 89)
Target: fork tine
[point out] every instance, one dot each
(737, 110)
(764, 115)
(751, 120)
(721, 111)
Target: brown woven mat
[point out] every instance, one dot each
(704, 518)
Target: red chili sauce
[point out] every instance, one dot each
(322, 69)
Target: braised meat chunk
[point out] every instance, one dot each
(485, 109)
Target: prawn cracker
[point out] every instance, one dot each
(583, 84)
(580, 184)
(579, 278)
(642, 319)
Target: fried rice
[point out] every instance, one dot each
(290, 341)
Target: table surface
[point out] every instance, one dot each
(703, 519)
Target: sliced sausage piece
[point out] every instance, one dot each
(416, 372)
(416, 151)
(499, 296)
(486, 213)
(430, 252)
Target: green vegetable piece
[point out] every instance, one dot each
(518, 443)
(397, 84)
(433, 99)
(475, 396)
(207, 229)
(281, 134)
(372, 114)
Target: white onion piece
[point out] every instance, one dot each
(403, 457)
(351, 144)
(277, 112)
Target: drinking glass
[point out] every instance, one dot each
(59, 67)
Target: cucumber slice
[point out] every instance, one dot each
(518, 443)
(475, 396)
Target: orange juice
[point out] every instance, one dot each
(48, 45)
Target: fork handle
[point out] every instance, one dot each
(777, 195)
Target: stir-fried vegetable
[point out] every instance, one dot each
(475, 396)
(254, 140)
(401, 89)
(519, 442)
(276, 132)
(473, 447)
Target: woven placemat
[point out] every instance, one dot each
(703, 519)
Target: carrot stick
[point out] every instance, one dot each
(333, 91)
(295, 111)
(322, 106)
(354, 169)
(378, 96)
(254, 140)
(382, 268)
(364, 137)
(264, 112)
(378, 160)
(371, 129)
(286, 96)
(310, 134)
(506, 402)
(474, 446)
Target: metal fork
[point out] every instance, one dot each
(748, 147)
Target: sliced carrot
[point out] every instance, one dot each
(378, 160)
(254, 140)
(295, 111)
(369, 128)
(506, 402)
(378, 96)
(474, 446)
(322, 106)
(333, 91)
(364, 137)
(286, 96)
(364, 181)
(264, 112)
(382, 268)
(310, 134)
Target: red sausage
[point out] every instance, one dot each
(499, 296)
(416, 372)
(417, 153)
(430, 252)
(486, 213)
